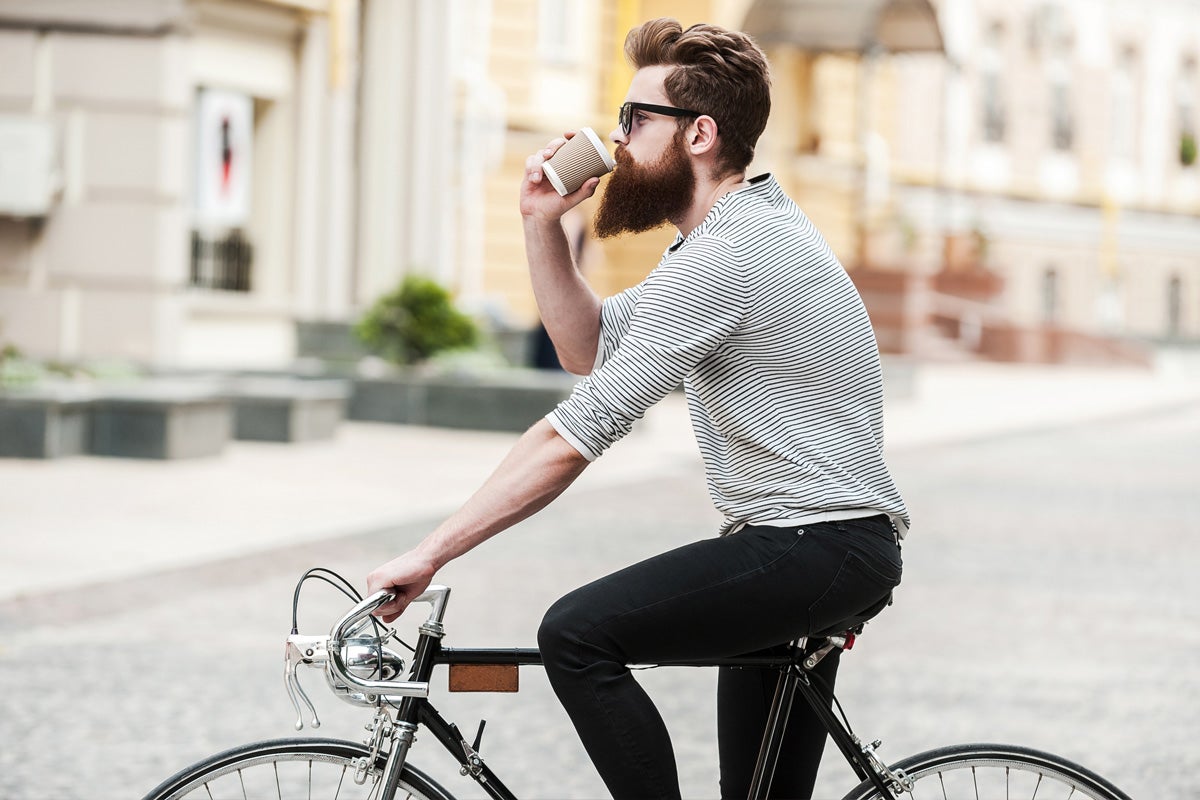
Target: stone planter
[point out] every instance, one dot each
(161, 419)
(280, 409)
(506, 400)
(45, 421)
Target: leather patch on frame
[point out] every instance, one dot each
(484, 678)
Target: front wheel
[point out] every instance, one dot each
(971, 771)
(292, 769)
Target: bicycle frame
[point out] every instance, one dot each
(414, 708)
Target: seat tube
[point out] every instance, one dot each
(777, 720)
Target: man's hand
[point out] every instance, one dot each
(408, 576)
(539, 199)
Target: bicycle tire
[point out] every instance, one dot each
(229, 773)
(970, 771)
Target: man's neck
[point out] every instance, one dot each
(706, 196)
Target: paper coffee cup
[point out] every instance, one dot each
(584, 156)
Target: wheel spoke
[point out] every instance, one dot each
(297, 769)
(341, 779)
(996, 772)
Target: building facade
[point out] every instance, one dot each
(210, 172)
(182, 182)
(1062, 174)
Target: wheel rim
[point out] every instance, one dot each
(284, 776)
(1000, 778)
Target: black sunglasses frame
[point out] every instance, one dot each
(625, 116)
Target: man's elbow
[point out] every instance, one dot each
(579, 368)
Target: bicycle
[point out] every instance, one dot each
(360, 669)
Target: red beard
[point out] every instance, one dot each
(641, 197)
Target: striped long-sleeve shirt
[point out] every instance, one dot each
(754, 313)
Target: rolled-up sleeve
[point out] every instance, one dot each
(616, 314)
(650, 340)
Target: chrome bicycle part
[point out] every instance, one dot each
(308, 651)
(831, 642)
(380, 730)
(897, 781)
(343, 633)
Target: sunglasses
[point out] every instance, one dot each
(626, 116)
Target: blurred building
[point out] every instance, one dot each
(185, 182)
(1042, 196)
(1009, 179)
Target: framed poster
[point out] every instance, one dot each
(224, 158)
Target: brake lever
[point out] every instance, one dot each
(309, 650)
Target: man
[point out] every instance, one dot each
(753, 311)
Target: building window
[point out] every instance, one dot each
(221, 254)
(992, 84)
(1050, 296)
(560, 31)
(1062, 115)
(221, 261)
(1051, 41)
(1174, 307)
(1124, 106)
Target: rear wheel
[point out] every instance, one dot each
(997, 772)
(292, 769)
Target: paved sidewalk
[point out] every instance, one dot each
(83, 520)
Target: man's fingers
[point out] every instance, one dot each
(390, 611)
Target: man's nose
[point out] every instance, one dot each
(618, 136)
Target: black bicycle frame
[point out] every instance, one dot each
(793, 678)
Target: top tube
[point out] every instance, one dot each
(532, 656)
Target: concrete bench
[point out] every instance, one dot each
(45, 421)
(503, 401)
(280, 409)
(161, 419)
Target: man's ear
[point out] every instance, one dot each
(702, 136)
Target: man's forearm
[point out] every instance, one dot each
(536, 470)
(569, 308)
(540, 466)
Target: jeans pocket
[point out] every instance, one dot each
(858, 592)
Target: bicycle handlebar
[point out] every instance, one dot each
(344, 649)
(436, 596)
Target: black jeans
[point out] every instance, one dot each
(757, 589)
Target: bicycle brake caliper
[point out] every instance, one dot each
(897, 780)
(380, 731)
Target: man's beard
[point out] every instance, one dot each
(642, 197)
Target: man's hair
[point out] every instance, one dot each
(717, 72)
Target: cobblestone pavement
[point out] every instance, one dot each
(1049, 599)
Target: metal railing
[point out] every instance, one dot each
(223, 263)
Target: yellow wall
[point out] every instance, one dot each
(825, 190)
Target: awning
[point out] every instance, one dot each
(859, 26)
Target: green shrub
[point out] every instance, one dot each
(1187, 149)
(416, 321)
